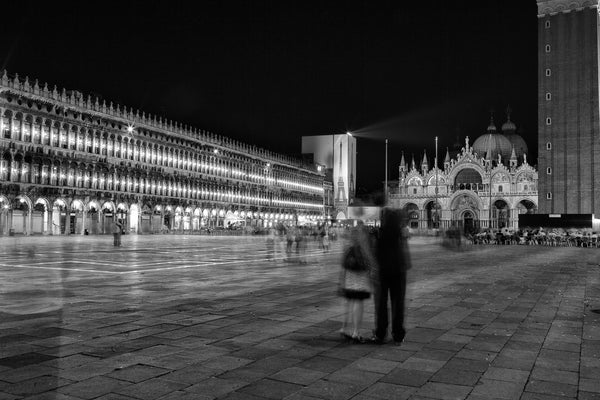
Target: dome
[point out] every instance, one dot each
(495, 143)
(509, 130)
(518, 143)
(509, 126)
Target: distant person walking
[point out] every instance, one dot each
(117, 232)
(270, 244)
(393, 260)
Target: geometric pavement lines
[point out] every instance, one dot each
(44, 266)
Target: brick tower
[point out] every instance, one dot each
(568, 107)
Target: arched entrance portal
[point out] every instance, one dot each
(21, 215)
(500, 214)
(40, 217)
(76, 217)
(413, 215)
(59, 217)
(433, 211)
(468, 222)
(134, 217)
(526, 207)
(93, 218)
(4, 209)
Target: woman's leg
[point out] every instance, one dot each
(357, 314)
(347, 316)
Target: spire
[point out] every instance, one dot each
(447, 159)
(424, 164)
(508, 112)
(513, 159)
(412, 163)
(491, 127)
(402, 167)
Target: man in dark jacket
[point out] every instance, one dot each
(393, 261)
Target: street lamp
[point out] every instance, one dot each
(385, 190)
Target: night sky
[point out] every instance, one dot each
(269, 72)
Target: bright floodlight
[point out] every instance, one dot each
(130, 128)
(215, 151)
(348, 133)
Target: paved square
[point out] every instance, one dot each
(197, 317)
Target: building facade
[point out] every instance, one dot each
(72, 164)
(338, 154)
(486, 185)
(568, 107)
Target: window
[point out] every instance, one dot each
(500, 188)
(547, 24)
(415, 191)
(548, 72)
(547, 48)
(548, 96)
(549, 196)
(549, 171)
(548, 146)
(548, 121)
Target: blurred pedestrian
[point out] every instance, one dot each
(355, 283)
(289, 239)
(393, 260)
(117, 232)
(270, 244)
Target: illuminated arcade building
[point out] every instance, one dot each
(71, 164)
(486, 185)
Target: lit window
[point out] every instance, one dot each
(548, 72)
(548, 96)
(548, 146)
(549, 170)
(547, 48)
(548, 121)
(549, 195)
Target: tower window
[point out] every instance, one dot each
(548, 121)
(549, 196)
(548, 72)
(547, 48)
(548, 146)
(549, 170)
(414, 191)
(548, 96)
(500, 188)
(547, 24)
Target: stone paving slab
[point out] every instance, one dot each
(195, 317)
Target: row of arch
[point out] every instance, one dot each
(468, 214)
(471, 179)
(24, 215)
(129, 146)
(40, 170)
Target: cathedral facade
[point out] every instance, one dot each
(484, 185)
(72, 164)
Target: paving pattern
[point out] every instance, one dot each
(197, 317)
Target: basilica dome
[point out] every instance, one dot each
(509, 131)
(493, 143)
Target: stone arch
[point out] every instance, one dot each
(468, 179)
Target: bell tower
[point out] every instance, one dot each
(568, 107)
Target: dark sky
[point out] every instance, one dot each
(269, 72)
